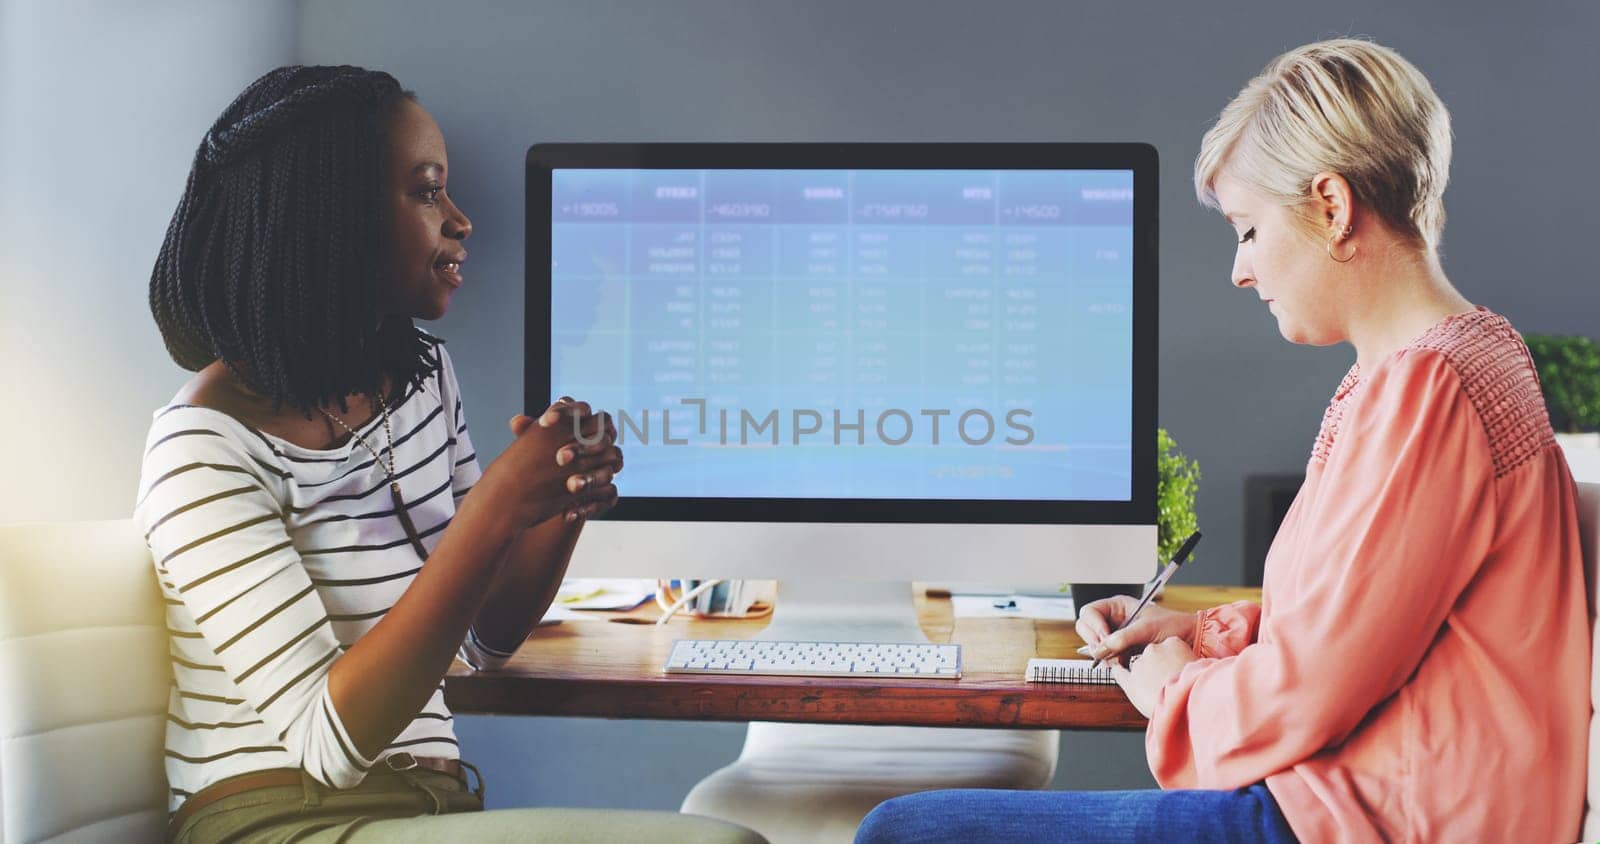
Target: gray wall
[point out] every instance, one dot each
(101, 105)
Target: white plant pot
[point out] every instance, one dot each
(1583, 455)
(1590, 439)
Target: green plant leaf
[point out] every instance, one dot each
(1569, 377)
(1177, 484)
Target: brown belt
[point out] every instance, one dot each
(292, 776)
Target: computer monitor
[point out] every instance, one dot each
(856, 362)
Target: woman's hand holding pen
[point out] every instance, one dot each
(1167, 637)
(1154, 624)
(592, 459)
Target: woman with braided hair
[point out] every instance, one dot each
(324, 538)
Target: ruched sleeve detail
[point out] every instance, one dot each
(1226, 630)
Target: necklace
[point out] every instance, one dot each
(394, 482)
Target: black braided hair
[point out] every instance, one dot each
(272, 259)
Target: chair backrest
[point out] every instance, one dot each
(84, 680)
(1589, 527)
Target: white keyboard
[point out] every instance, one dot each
(919, 661)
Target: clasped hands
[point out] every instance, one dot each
(1167, 637)
(562, 464)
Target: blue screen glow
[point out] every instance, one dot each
(927, 334)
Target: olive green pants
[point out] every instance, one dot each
(424, 805)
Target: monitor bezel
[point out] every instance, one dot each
(1140, 158)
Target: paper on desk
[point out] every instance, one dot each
(604, 593)
(1015, 606)
(557, 614)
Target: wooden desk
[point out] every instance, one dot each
(613, 670)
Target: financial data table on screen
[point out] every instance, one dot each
(851, 334)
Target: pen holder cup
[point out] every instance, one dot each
(1084, 594)
(718, 598)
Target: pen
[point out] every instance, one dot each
(1155, 585)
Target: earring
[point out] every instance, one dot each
(1335, 239)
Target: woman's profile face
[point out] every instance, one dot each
(1286, 268)
(424, 227)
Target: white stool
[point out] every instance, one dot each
(815, 782)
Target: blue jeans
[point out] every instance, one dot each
(973, 815)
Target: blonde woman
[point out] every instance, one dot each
(1418, 667)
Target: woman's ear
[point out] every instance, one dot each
(1334, 201)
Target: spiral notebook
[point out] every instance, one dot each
(1068, 671)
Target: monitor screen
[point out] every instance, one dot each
(803, 335)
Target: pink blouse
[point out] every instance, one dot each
(1418, 669)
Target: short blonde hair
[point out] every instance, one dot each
(1347, 106)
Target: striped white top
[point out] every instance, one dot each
(273, 560)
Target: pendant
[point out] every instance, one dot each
(405, 521)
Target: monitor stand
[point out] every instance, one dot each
(843, 611)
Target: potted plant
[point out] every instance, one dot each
(1177, 483)
(1569, 377)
